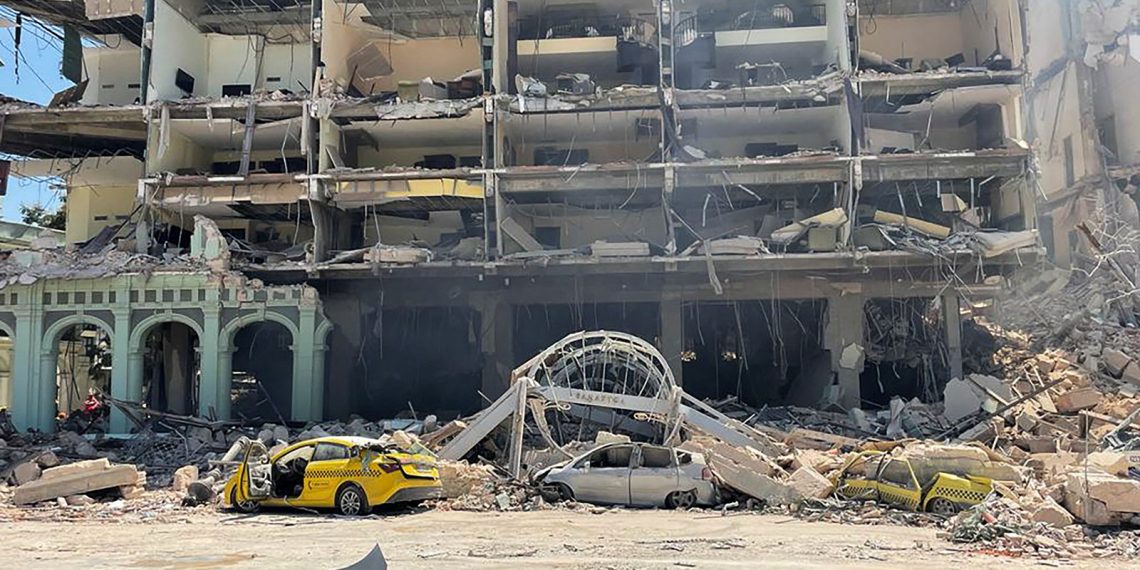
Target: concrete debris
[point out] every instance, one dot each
(808, 483)
(27, 472)
(1052, 514)
(183, 477)
(75, 479)
(1077, 400)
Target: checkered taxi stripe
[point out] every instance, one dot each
(961, 495)
(384, 469)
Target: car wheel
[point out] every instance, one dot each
(242, 506)
(681, 499)
(351, 502)
(557, 492)
(942, 506)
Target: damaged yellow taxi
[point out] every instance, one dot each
(348, 474)
(879, 476)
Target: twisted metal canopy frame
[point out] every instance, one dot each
(602, 361)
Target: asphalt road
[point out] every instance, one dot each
(623, 539)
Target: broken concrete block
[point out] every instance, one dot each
(1099, 498)
(808, 483)
(1131, 373)
(47, 460)
(929, 459)
(747, 457)
(960, 400)
(281, 433)
(1111, 462)
(79, 500)
(1026, 420)
(1119, 494)
(1051, 467)
(605, 437)
(76, 479)
(1114, 361)
(852, 357)
(130, 492)
(1052, 514)
(26, 472)
(183, 477)
(77, 467)
(1077, 400)
(859, 417)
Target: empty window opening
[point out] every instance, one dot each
(761, 352)
(905, 351)
(171, 368)
(262, 372)
(419, 361)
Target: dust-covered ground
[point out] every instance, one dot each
(617, 539)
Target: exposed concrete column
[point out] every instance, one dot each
(303, 366)
(225, 381)
(177, 351)
(672, 336)
(25, 368)
(209, 362)
(317, 396)
(45, 407)
(844, 330)
(496, 342)
(126, 384)
(952, 317)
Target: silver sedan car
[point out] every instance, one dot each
(636, 474)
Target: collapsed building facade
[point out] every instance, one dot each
(378, 208)
(1083, 122)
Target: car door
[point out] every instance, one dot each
(603, 476)
(653, 476)
(254, 475)
(897, 484)
(327, 469)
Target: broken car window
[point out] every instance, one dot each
(897, 472)
(330, 451)
(656, 457)
(612, 457)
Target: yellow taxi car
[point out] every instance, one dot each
(349, 474)
(879, 476)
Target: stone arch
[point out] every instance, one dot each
(287, 402)
(47, 393)
(6, 389)
(226, 339)
(139, 332)
(53, 333)
(322, 334)
(176, 393)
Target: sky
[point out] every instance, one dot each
(39, 78)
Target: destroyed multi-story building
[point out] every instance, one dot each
(333, 207)
(1080, 74)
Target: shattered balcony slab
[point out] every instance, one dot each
(866, 267)
(222, 196)
(583, 178)
(419, 190)
(946, 165)
(875, 84)
(74, 131)
(230, 108)
(825, 90)
(625, 97)
(391, 111)
(805, 169)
